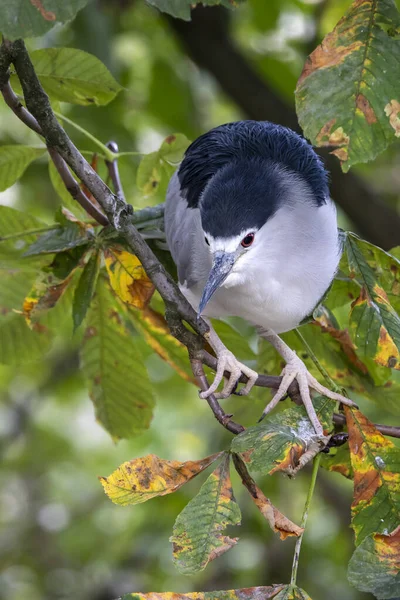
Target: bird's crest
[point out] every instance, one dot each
(245, 140)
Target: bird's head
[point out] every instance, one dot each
(237, 210)
(254, 183)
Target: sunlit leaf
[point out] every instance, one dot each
(376, 464)
(19, 344)
(156, 333)
(149, 173)
(346, 95)
(13, 162)
(197, 537)
(85, 289)
(71, 75)
(254, 593)
(285, 441)
(375, 565)
(144, 478)
(173, 148)
(113, 364)
(27, 18)
(128, 278)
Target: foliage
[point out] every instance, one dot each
(69, 283)
(346, 96)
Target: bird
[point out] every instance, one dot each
(253, 232)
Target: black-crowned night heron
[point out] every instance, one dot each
(252, 230)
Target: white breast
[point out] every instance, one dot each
(281, 282)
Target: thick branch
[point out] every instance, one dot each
(118, 211)
(207, 40)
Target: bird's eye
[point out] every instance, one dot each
(206, 241)
(248, 240)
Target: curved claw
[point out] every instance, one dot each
(296, 369)
(228, 362)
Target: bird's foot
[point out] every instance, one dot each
(296, 369)
(228, 362)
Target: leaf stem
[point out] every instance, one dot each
(109, 155)
(303, 523)
(13, 236)
(320, 368)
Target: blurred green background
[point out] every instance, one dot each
(61, 538)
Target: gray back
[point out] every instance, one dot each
(185, 237)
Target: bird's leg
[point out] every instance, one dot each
(296, 369)
(227, 362)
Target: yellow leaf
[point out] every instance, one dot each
(144, 478)
(128, 278)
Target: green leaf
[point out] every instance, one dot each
(196, 536)
(24, 18)
(348, 94)
(17, 231)
(85, 289)
(385, 266)
(292, 592)
(338, 460)
(15, 284)
(375, 565)
(59, 240)
(50, 285)
(13, 162)
(149, 173)
(19, 344)
(285, 440)
(376, 465)
(374, 323)
(173, 148)
(181, 8)
(74, 76)
(112, 362)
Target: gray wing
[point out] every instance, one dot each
(185, 237)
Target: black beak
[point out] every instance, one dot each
(222, 265)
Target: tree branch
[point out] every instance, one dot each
(207, 41)
(41, 119)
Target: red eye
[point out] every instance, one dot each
(248, 240)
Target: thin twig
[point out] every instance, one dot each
(112, 167)
(245, 476)
(223, 418)
(75, 189)
(390, 430)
